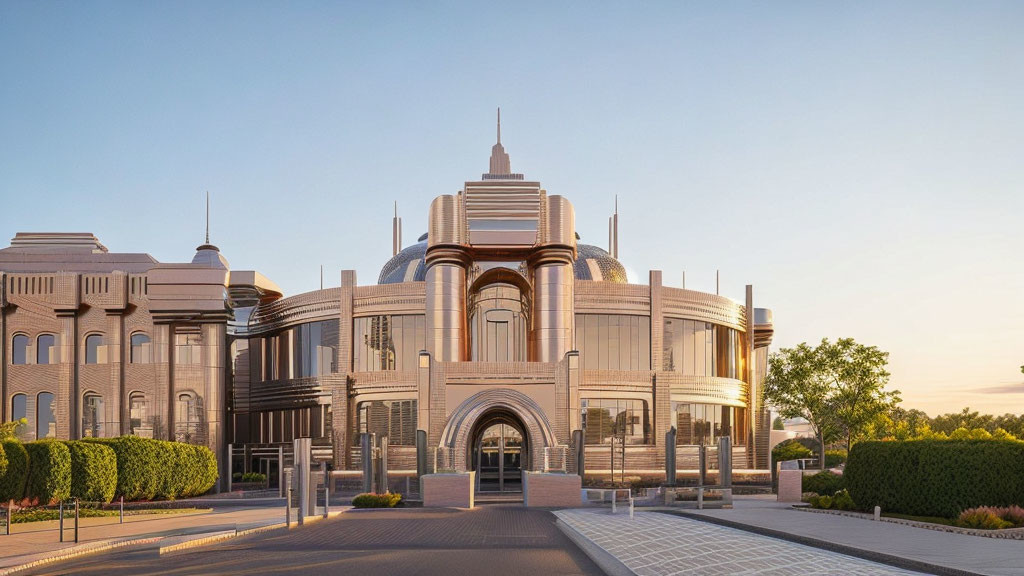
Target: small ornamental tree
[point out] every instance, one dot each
(839, 388)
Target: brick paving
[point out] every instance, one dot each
(655, 544)
(495, 540)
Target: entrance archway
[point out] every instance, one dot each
(457, 440)
(500, 452)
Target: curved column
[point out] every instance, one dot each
(446, 304)
(553, 311)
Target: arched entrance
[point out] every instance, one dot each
(500, 452)
(509, 406)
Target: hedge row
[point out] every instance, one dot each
(936, 477)
(149, 469)
(96, 470)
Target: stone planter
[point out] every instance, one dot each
(454, 490)
(542, 489)
(790, 485)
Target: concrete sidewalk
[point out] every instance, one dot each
(37, 540)
(956, 552)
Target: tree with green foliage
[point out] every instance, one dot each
(778, 423)
(9, 430)
(797, 388)
(839, 388)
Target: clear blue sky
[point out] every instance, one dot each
(862, 164)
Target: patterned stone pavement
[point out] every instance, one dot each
(653, 544)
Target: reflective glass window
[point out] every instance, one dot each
(698, 423)
(188, 348)
(138, 414)
(94, 352)
(141, 349)
(19, 410)
(395, 419)
(626, 420)
(92, 416)
(388, 342)
(614, 341)
(19, 351)
(44, 349)
(46, 419)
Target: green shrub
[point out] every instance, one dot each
(936, 477)
(3, 463)
(205, 463)
(12, 481)
(834, 458)
(824, 482)
(372, 500)
(253, 477)
(824, 502)
(171, 477)
(49, 472)
(842, 501)
(93, 471)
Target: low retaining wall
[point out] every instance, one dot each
(542, 489)
(448, 490)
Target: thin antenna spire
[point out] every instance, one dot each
(207, 216)
(499, 124)
(321, 276)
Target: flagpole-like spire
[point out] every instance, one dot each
(499, 124)
(207, 216)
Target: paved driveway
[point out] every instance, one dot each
(492, 540)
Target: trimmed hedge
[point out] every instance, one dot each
(49, 471)
(936, 477)
(137, 466)
(93, 471)
(12, 481)
(148, 469)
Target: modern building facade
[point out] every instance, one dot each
(499, 333)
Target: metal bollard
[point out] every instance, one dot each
(122, 509)
(60, 519)
(288, 509)
(76, 520)
(327, 498)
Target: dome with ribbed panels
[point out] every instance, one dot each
(406, 266)
(592, 263)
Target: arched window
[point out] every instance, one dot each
(140, 349)
(19, 410)
(46, 421)
(19, 354)
(138, 414)
(44, 349)
(188, 418)
(94, 351)
(92, 416)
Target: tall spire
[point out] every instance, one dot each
(207, 216)
(501, 167)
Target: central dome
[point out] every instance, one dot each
(592, 263)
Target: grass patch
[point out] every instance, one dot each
(42, 515)
(928, 519)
